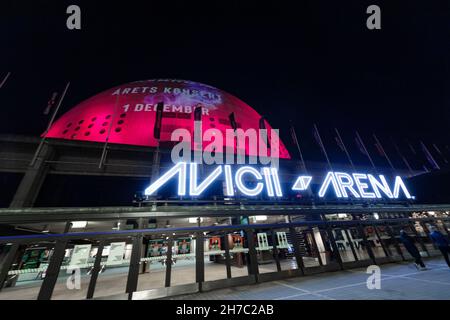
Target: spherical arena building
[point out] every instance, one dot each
(126, 114)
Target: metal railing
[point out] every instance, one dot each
(61, 242)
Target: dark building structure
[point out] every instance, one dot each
(74, 207)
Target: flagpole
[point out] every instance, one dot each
(302, 160)
(198, 136)
(4, 79)
(384, 152)
(411, 147)
(447, 148)
(345, 148)
(262, 126)
(365, 150)
(297, 144)
(41, 144)
(397, 149)
(157, 136)
(440, 153)
(105, 150)
(322, 146)
(233, 124)
(414, 152)
(429, 156)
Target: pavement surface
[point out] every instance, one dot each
(399, 281)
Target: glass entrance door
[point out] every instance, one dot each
(344, 244)
(308, 247)
(360, 247)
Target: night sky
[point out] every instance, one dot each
(315, 62)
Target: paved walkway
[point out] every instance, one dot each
(399, 281)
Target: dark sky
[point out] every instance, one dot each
(315, 62)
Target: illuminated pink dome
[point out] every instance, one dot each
(127, 113)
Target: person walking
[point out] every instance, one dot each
(412, 249)
(441, 242)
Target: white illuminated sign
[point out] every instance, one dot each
(271, 179)
(344, 185)
(196, 190)
(358, 186)
(180, 169)
(302, 183)
(240, 184)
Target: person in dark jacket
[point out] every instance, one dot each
(412, 249)
(441, 242)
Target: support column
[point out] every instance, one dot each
(46, 291)
(226, 246)
(133, 271)
(95, 270)
(168, 262)
(7, 262)
(253, 259)
(31, 183)
(199, 259)
(142, 224)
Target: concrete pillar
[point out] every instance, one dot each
(31, 183)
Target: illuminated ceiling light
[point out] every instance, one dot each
(260, 218)
(342, 215)
(432, 213)
(376, 215)
(194, 220)
(79, 224)
(116, 226)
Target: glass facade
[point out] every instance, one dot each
(123, 256)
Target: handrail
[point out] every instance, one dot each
(196, 229)
(31, 215)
